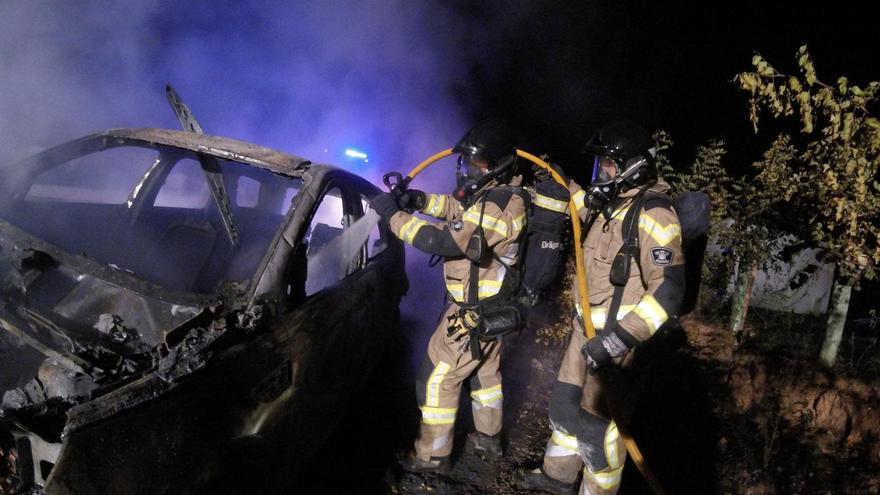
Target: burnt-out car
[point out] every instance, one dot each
(182, 313)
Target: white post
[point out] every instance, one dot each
(742, 295)
(838, 307)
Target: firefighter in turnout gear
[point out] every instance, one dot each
(482, 227)
(635, 275)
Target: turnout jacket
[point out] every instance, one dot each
(655, 288)
(502, 213)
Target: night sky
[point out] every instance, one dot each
(572, 66)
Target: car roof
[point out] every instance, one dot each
(221, 147)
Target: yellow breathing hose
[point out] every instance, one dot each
(631, 446)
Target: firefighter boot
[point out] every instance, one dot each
(486, 446)
(539, 481)
(413, 464)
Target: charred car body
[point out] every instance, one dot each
(181, 312)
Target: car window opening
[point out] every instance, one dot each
(148, 211)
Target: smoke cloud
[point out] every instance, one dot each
(302, 78)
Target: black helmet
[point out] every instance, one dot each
(490, 142)
(628, 149)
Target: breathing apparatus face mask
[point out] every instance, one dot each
(603, 187)
(604, 170)
(612, 178)
(472, 168)
(470, 177)
(474, 173)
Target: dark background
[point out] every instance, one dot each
(669, 65)
(401, 80)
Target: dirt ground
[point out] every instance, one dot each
(712, 417)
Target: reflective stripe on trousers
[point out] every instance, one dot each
(561, 444)
(487, 397)
(606, 481)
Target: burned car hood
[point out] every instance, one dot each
(80, 312)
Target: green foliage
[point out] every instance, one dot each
(757, 213)
(735, 224)
(663, 142)
(823, 188)
(708, 175)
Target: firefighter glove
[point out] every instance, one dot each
(411, 200)
(601, 351)
(385, 205)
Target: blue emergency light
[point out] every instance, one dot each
(355, 154)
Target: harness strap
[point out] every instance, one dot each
(514, 272)
(630, 249)
(511, 281)
(474, 291)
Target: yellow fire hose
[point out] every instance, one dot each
(631, 447)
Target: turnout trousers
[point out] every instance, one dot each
(583, 434)
(448, 364)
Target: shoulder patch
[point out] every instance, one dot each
(662, 256)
